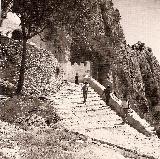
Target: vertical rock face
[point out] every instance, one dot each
(149, 76)
(135, 70)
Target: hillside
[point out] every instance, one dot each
(134, 70)
(29, 123)
(137, 77)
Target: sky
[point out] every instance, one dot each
(10, 23)
(141, 22)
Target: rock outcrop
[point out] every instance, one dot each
(136, 76)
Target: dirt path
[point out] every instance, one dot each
(85, 131)
(98, 121)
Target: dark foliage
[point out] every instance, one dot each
(36, 16)
(17, 34)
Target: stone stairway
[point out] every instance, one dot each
(96, 120)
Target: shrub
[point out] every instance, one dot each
(17, 34)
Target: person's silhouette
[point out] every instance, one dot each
(107, 92)
(76, 79)
(85, 91)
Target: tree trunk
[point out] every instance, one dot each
(0, 22)
(107, 28)
(22, 68)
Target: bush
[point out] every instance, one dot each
(17, 34)
(26, 111)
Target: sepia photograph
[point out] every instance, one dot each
(79, 79)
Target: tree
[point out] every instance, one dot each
(17, 34)
(5, 6)
(34, 16)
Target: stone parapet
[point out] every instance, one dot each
(133, 118)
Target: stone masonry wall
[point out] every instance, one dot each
(43, 74)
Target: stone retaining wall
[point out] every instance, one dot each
(43, 75)
(133, 118)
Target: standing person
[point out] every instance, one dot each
(76, 79)
(125, 107)
(85, 91)
(107, 92)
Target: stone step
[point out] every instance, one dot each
(96, 120)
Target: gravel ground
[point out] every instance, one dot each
(27, 131)
(96, 120)
(53, 143)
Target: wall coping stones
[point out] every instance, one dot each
(133, 118)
